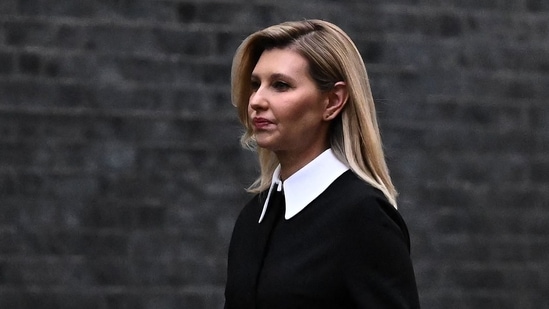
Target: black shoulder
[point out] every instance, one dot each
(363, 203)
(252, 210)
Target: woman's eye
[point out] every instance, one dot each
(281, 86)
(254, 85)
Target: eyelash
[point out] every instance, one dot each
(277, 85)
(280, 86)
(254, 85)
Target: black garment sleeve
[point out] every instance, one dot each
(376, 260)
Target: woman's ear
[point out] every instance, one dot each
(336, 100)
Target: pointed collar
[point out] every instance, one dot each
(308, 183)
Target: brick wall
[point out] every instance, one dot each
(121, 173)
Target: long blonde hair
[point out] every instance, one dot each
(332, 57)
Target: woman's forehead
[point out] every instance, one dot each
(283, 61)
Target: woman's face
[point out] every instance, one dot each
(286, 109)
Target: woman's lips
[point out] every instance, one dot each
(261, 123)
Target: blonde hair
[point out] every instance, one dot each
(332, 57)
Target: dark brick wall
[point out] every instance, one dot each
(121, 173)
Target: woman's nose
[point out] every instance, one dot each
(257, 99)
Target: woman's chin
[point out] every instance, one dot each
(263, 140)
(265, 145)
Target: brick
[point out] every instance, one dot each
(524, 195)
(16, 154)
(187, 12)
(372, 51)
(6, 63)
(41, 300)
(68, 36)
(192, 43)
(9, 238)
(21, 184)
(26, 93)
(463, 4)
(8, 7)
(450, 25)
(477, 278)
(84, 68)
(226, 42)
(472, 140)
(536, 5)
(28, 34)
(117, 38)
(125, 215)
(540, 171)
(225, 13)
(113, 98)
(53, 8)
(158, 11)
(29, 64)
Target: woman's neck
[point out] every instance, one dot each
(293, 162)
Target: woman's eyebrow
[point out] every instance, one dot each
(274, 76)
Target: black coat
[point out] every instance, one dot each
(349, 248)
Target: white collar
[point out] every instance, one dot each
(308, 183)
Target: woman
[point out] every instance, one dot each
(322, 230)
